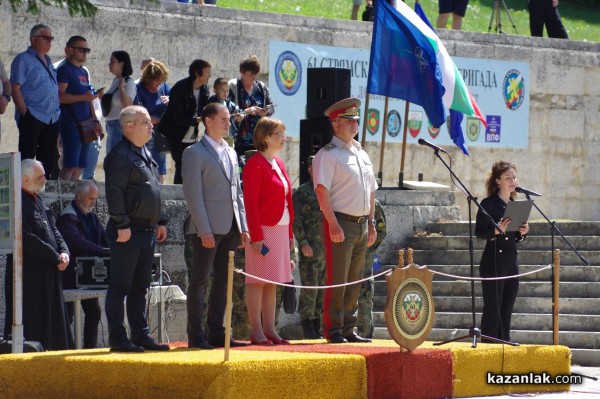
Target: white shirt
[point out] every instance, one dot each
(116, 106)
(221, 149)
(347, 173)
(285, 218)
(189, 135)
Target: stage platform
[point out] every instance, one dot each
(305, 369)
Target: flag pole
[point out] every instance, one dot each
(383, 132)
(363, 140)
(401, 174)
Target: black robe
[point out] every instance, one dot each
(44, 310)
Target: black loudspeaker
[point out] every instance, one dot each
(314, 134)
(325, 87)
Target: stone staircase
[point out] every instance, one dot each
(444, 247)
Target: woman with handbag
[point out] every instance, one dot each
(270, 214)
(121, 94)
(153, 94)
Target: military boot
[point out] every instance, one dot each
(317, 327)
(309, 330)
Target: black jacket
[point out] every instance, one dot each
(74, 234)
(500, 254)
(132, 187)
(179, 115)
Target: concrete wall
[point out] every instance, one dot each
(565, 85)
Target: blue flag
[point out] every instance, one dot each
(421, 13)
(456, 132)
(403, 63)
(454, 127)
(408, 61)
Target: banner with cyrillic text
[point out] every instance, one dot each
(501, 88)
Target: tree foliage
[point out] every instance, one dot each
(75, 7)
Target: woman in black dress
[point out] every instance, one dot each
(500, 254)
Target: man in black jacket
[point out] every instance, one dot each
(179, 123)
(136, 224)
(85, 236)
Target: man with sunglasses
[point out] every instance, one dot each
(76, 99)
(35, 92)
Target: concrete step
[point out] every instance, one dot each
(580, 306)
(567, 273)
(520, 321)
(418, 198)
(575, 306)
(535, 228)
(526, 289)
(572, 339)
(531, 257)
(542, 243)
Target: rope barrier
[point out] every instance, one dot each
(311, 287)
(490, 278)
(322, 287)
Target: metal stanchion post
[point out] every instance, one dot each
(229, 305)
(555, 296)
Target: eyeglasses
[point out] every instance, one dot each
(143, 122)
(280, 134)
(83, 49)
(48, 38)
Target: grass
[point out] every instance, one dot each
(582, 23)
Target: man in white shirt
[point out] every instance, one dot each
(345, 185)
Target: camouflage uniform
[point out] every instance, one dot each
(364, 322)
(308, 230)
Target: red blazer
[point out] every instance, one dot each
(264, 194)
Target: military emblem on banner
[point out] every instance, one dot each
(373, 121)
(415, 122)
(473, 128)
(409, 308)
(513, 89)
(433, 131)
(289, 73)
(394, 123)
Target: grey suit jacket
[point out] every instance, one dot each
(212, 199)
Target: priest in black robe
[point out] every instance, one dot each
(45, 257)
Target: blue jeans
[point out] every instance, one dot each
(89, 171)
(115, 134)
(160, 159)
(130, 276)
(75, 153)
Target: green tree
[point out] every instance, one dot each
(83, 7)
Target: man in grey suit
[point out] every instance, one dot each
(212, 190)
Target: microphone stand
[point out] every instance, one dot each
(474, 331)
(553, 228)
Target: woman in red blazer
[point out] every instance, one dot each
(270, 214)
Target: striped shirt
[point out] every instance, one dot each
(38, 85)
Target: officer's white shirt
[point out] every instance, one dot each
(347, 173)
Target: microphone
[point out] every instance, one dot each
(431, 145)
(527, 192)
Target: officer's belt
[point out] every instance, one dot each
(350, 218)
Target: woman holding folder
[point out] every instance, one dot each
(500, 254)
